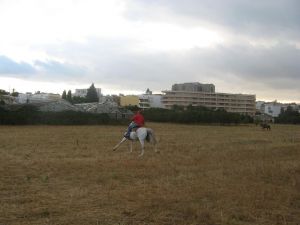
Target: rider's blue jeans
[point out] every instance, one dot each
(129, 129)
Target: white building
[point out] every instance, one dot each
(273, 109)
(37, 98)
(150, 101)
(270, 108)
(83, 92)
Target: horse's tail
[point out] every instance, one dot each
(151, 136)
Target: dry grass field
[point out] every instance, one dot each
(66, 175)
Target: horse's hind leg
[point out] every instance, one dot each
(153, 141)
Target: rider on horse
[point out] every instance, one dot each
(136, 122)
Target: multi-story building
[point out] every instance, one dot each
(193, 87)
(195, 96)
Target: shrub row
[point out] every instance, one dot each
(195, 115)
(30, 115)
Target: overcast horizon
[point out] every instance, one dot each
(127, 46)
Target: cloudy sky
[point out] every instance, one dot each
(127, 46)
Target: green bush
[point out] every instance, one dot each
(289, 116)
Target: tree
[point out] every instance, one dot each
(78, 100)
(64, 95)
(15, 94)
(148, 92)
(177, 107)
(3, 92)
(69, 96)
(92, 95)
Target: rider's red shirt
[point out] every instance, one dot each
(139, 119)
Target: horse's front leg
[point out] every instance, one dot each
(118, 145)
(142, 147)
(130, 146)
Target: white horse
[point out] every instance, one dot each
(140, 134)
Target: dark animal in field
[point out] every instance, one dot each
(265, 126)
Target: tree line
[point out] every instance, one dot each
(194, 115)
(202, 114)
(28, 114)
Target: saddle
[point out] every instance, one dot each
(135, 129)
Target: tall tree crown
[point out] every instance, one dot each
(64, 95)
(92, 95)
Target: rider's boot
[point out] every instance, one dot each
(127, 135)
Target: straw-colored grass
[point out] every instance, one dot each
(231, 175)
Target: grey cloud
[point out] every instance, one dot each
(279, 59)
(40, 70)
(277, 67)
(57, 69)
(11, 67)
(258, 18)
